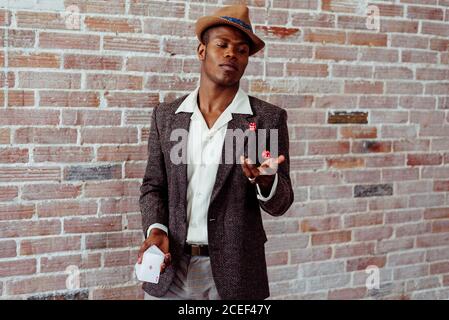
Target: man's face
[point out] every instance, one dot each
(227, 45)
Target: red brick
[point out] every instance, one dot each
(91, 118)
(7, 80)
(15, 229)
(393, 73)
(14, 155)
(352, 71)
(114, 82)
(63, 154)
(49, 244)
(320, 224)
(69, 99)
(427, 13)
(129, 44)
(122, 205)
(8, 193)
(40, 20)
(117, 25)
(389, 10)
(290, 51)
(409, 41)
(363, 262)
(145, 64)
(379, 55)
(86, 225)
(120, 258)
(363, 87)
(122, 153)
(398, 26)
(132, 100)
(324, 36)
(371, 146)
(66, 208)
(311, 254)
(60, 263)
(19, 98)
(338, 6)
(45, 135)
(156, 26)
(98, 6)
(347, 293)
(11, 174)
(17, 267)
(69, 41)
(441, 185)
(440, 226)
(345, 163)
(36, 284)
(17, 38)
(439, 267)
(334, 147)
(134, 169)
(119, 293)
(28, 117)
(114, 240)
(424, 159)
(435, 28)
(373, 233)
(50, 80)
(438, 44)
(50, 191)
(16, 211)
(354, 250)
(109, 135)
(358, 132)
(272, 32)
(363, 219)
(5, 136)
(33, 60)
(336, 53)
(92, 62)
(331, 237)
(307, 70)
(367, 39)
(436, 213)
(8, 249)
(414, 56)
(111, 189)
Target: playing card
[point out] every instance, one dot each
(149, 269)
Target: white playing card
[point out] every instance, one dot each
(149, 269)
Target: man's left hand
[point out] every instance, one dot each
(263, 175)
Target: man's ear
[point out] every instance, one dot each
(201, 51)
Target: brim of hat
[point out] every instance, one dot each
(205, 22)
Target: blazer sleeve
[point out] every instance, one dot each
(153, 199)
(283, 197)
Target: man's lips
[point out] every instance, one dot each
(229, 66)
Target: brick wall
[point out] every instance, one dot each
(368, 119)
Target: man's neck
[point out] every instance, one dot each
(213, 98)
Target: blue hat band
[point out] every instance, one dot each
(239, 22)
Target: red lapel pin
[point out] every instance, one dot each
(252, 126)
(266, 154)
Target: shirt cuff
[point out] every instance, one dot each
(273, 190)
(157, 225)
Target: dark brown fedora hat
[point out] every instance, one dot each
(236, 16)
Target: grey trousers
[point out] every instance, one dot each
(193, 281)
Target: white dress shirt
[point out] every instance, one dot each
(204, 148)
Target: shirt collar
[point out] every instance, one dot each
(240, 103)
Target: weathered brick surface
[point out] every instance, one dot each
(368, 122)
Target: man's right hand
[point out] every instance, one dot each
(159, 238)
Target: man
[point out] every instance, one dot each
(205, 214)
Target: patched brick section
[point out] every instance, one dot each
(348, 117)
(105, 172)
(373, 190)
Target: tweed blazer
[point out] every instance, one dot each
(236, 236)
